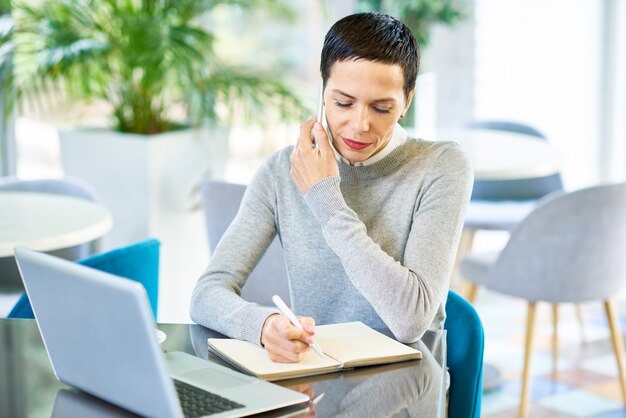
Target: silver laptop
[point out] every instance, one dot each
(100, 337)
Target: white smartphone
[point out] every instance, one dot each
(321, 112)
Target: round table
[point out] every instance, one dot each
(500, 155)
(47, 222)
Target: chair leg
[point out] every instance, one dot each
(555, 339)
(465, 246)
(469, 291)
(530, 335)
(616, 340)
(581, 322)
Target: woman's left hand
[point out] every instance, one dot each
(309, 165)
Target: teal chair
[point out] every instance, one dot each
(138, 262)
(465, 345)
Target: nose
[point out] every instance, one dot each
(360, 120)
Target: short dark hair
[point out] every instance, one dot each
(374, 37)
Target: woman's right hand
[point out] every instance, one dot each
(284, 342)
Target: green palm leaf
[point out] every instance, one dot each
(140, 56)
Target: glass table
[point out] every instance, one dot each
(29, 388)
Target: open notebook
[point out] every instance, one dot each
(346, 345)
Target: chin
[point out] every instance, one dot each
(354, 156)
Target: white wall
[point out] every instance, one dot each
(450, 57)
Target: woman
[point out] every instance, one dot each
(369, 219)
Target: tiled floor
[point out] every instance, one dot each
(585, 384)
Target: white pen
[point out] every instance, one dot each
(284, 309)
(318, 398)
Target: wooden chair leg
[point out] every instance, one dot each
(555, 339)
(465, 246)
(469, 291)
(616, 340)
(530, 335)
(581, 322)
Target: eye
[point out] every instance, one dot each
(343, 104)
(382, 109)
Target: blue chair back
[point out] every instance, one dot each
(138, 262)
(22, 308)
(465, 347)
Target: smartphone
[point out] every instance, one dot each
(321, 113)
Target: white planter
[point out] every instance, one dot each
(149, 183)
(138, 177)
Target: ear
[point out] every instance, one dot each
(408, 101)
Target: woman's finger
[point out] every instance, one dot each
(305, 141)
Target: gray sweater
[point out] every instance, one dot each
(375, 244)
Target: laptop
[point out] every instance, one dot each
(100, 336)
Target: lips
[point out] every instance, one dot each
(355, 144)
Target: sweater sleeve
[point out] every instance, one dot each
(407, 294)
(216, 301)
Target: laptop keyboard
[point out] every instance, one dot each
(197, 402)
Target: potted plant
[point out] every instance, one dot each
(6, 52)
(419, 15)
(152, 66)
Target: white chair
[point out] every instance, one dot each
(569, 249)
(221, 202)
(499, 205)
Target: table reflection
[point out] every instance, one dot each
(408, 389)
(72, 403)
